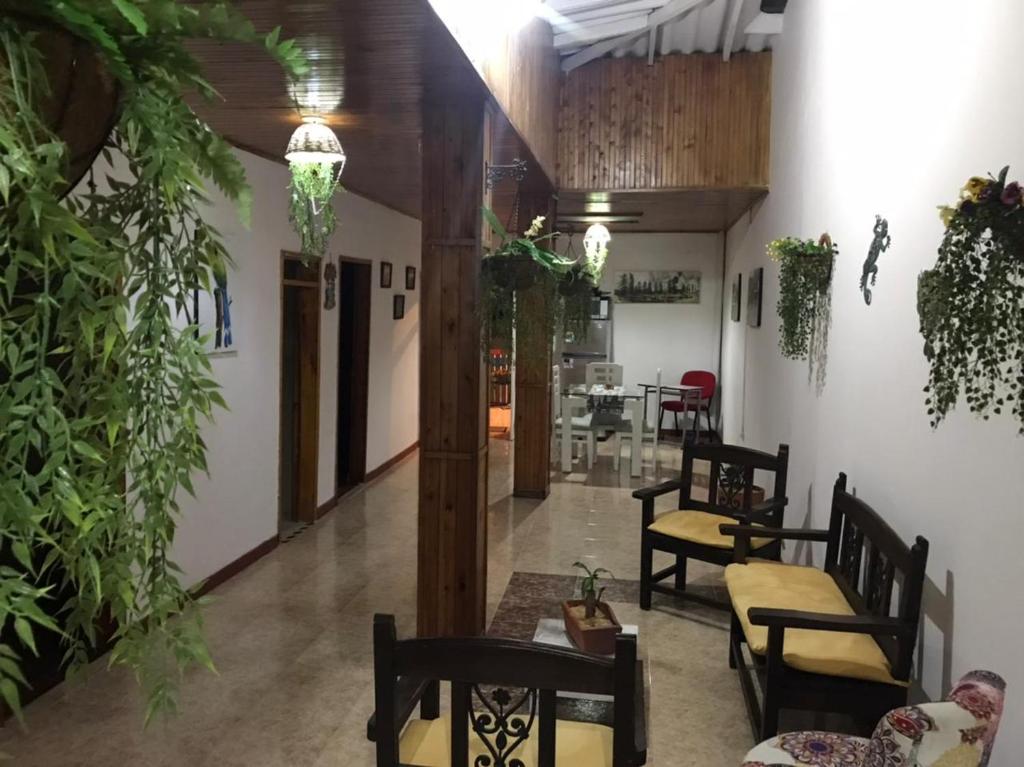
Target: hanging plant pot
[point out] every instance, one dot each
(83, 103)
(805, 280)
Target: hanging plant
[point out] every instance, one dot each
(99, 380)
(316, 160)
(971, 303)
(805, 279)
(516, 265)
(576, 291)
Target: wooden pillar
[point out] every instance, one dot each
(452, 550)
(532, 450)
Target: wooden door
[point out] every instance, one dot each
(354, 290)
(300, 389)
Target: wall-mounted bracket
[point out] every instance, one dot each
(516, 171)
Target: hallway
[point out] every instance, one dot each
(291, 638)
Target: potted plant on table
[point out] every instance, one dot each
(590, 623)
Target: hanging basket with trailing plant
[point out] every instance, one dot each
(805, 280)
(316, 161)
(102, 376)
(971, 304)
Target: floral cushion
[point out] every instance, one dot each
(958, 732)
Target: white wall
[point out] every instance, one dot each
(674, 337)
(236, 508)
(883, 107)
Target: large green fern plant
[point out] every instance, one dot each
(103, 383)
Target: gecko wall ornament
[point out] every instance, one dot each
(879, 245)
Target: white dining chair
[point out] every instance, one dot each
(638, 434)
(603, 373)
(574, 410)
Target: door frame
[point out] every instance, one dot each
(285, 256)
(342, 259)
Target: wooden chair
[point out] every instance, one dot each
(851, 655)
(571, 410)
(516, 721)
(693, 530)
(647, 435)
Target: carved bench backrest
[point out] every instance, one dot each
(867, 559)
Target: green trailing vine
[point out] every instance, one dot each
(971, 304)
(104, 386)
(805, 279)
(312, 214)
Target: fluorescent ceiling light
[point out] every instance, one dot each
(601, 218)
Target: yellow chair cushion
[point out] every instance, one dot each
(699, 527)
(428, 744)
(793, 587)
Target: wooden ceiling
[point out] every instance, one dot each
(368, 65)
(682, 210)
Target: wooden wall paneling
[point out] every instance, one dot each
(452, 550)
(687, 122)
(532, 450)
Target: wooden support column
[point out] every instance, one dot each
(532, 450)
(452, 550)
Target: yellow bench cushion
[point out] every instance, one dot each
(428, 744)
(792, 587)
(699, 527)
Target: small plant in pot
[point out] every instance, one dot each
(590, 623)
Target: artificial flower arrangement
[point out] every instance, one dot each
(971, 303)
(527, 288)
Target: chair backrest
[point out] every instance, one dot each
(705, 379)
(960, 730)
(527, 677)
(731, 478)
(599, 373)
(556, 393)
(864, 556)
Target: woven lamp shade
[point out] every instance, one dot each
(314, 141)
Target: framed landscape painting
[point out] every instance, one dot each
(657, 287)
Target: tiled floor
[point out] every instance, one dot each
(291, 638)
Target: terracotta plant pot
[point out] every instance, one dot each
(599, 640)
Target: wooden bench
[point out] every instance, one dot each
(830, 639)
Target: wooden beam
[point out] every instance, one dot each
(668, 12)
(532, 450)
(586, 32)
(652, 46)
(452, 546)
(730, 28)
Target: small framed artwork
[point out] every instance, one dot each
(737, 297)
(754, 284)
(410, 278)
(398, 307)
(385, 274)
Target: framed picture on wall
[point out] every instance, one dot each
(737, 297)
(398, 306)
(660, 287)
(410, 278)
(754, 284)
(385, 274)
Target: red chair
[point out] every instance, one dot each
(707, 382)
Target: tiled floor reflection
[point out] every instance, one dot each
(291, 637)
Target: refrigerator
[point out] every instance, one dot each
(596, 347)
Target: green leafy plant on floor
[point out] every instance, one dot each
(589, 591)
(560, 287)
(805, 279)
(312, 214)
(971, 303)
(103, 383)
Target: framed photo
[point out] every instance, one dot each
(410, 278)
(398, 306)
(737, 297)
(663, 287)
(754, 284)
(385, 274)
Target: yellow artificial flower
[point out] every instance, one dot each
(946, 213)
(535, 227)
(973, 189)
